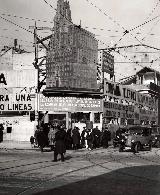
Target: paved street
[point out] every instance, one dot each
(101, 171)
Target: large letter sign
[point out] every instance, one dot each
(2, 79)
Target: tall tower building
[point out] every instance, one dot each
(72, 55)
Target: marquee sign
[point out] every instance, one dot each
(122, 92)
(70, 104)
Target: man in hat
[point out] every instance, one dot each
(60, 147)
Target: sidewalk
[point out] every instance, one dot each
(18, 145)
(23, 145)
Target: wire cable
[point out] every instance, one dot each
(125, 31)
(25, 18)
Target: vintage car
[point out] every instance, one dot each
(155, 136)
(137, 138)
(118, 136)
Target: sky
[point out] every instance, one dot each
(108, 25)
(107, 19)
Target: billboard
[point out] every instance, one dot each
(18, 78)
(69, 104)
(107, 63)
(16, 102)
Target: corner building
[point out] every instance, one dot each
(72, 56)
(71, 70)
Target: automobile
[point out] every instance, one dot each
(136, 138)
(155, 136)
(118, 136)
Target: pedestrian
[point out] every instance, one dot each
(60, 147)
(90, 139)
(32, 141)
(97, 134)
(1, 132)
(68, 139)
(51, 137)
(42, 139)
(105, 137)
(83, 137)
(35, 135)
(76, 138)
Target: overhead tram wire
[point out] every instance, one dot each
(25, 18)
(70, 22)
(13, 38)
(150, 14)
(97, 39)
(146, 22)
(19, 26)
(125, 31)
(33, 19)
(154, 8)
(27, 29)
(16, 24)
(31, 31)
(100, 40)
(150, 30)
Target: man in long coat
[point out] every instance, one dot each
(60, 147)
(76, 138)
(42, 139)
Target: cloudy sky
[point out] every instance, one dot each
(107, 19)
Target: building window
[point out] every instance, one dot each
(80, 117)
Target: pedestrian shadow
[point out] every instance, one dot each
(138, 180)
(68, 157)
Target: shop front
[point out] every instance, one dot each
(124, 106)
(70, 111)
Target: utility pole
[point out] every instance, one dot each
(36, 66)
(39, 64)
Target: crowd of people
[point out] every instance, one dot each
(60, 139)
